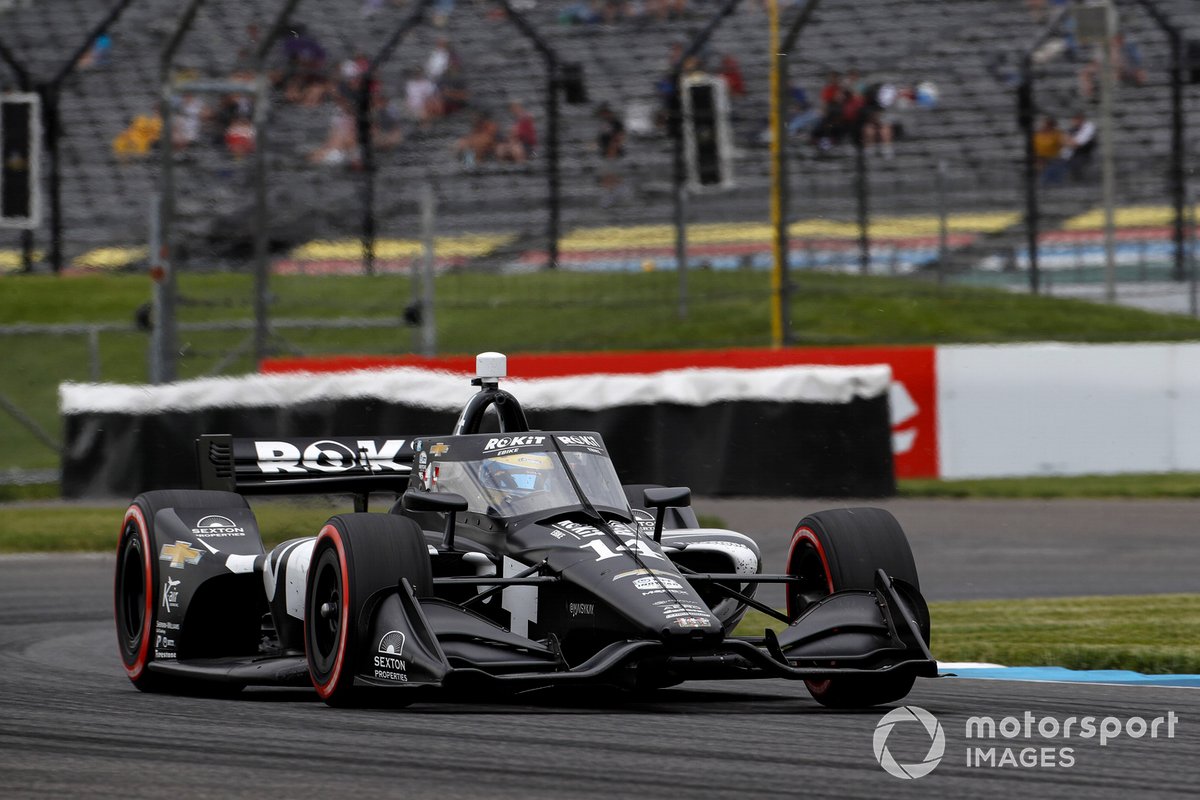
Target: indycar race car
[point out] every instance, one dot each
(510, 560)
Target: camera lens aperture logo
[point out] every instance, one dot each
(910, 716)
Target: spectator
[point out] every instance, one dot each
(341, 144)
(304, 79)
(387, 129)
(190, 117)
(1130, 66)
(421, 97)
(441, 60)
(137, 140)
(521, 142)
(611, 139)
(731, 72)
(480, 142)
(1048, 144)
(1127, 65)
(832, 90)
(1080, 146)
(98, 54)
(877, 130)
(442, 9)
(240, 137)
(802, 116)
(453, 91)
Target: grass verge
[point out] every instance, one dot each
(1150, 634)
(1148, 486)
(538, 311)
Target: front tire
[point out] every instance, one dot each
(833, 551)
(356, 556)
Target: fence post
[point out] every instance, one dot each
(864, 213)
(781, 277)
(943, 223)
(428, 232)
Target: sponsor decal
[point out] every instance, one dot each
(164, 646)
(216, 525)
(644, 520)
(631, 573)
(329, 456)
(170, 594)
(577, 529)
(655, 582)
(179, 554)
(580, 441)
(163, 625)
(439, 449)
(505, 442)
(387, 662)
(584, 609)
(692, 622)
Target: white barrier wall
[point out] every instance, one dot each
(1060, 409)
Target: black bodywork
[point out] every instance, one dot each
(630, 591)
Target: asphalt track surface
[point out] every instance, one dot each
(71, 725)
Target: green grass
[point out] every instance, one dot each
(1151, 634)
(514, 313)
(1148, 486)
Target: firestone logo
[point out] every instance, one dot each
(909, 715)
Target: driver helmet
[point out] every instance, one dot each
(516, 476)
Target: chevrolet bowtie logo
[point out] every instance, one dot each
(438, 449)
(178, 553)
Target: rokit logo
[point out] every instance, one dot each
(505, 442)
(388, 663)
(579, 441)
(215, 525)
(327, 455)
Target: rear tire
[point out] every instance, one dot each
(137, 575)
(833, 551)
(356, 556)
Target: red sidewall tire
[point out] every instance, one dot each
(337, 683)
(841, 550)
(134, 536)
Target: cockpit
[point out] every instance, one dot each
(501, 479)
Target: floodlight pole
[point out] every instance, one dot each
(1179, 190)
(366, 141)
(25, 85)
(1026, 116)
(166, 288)
(678, 171)
(781, 275)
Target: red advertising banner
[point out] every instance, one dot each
(913, 396)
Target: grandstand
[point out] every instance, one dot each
(972, 131)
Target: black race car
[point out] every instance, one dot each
(511, 560)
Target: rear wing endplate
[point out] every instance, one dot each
(342, 464)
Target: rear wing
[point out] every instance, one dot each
(345, 464)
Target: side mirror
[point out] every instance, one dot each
(447, 503)
(663, 496)
(661, 499)
(441, 502)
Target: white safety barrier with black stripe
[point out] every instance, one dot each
(783, 431)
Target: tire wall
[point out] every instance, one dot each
(795, 431)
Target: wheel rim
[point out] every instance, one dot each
(813, 583)
(324, 612)
(132, 591)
